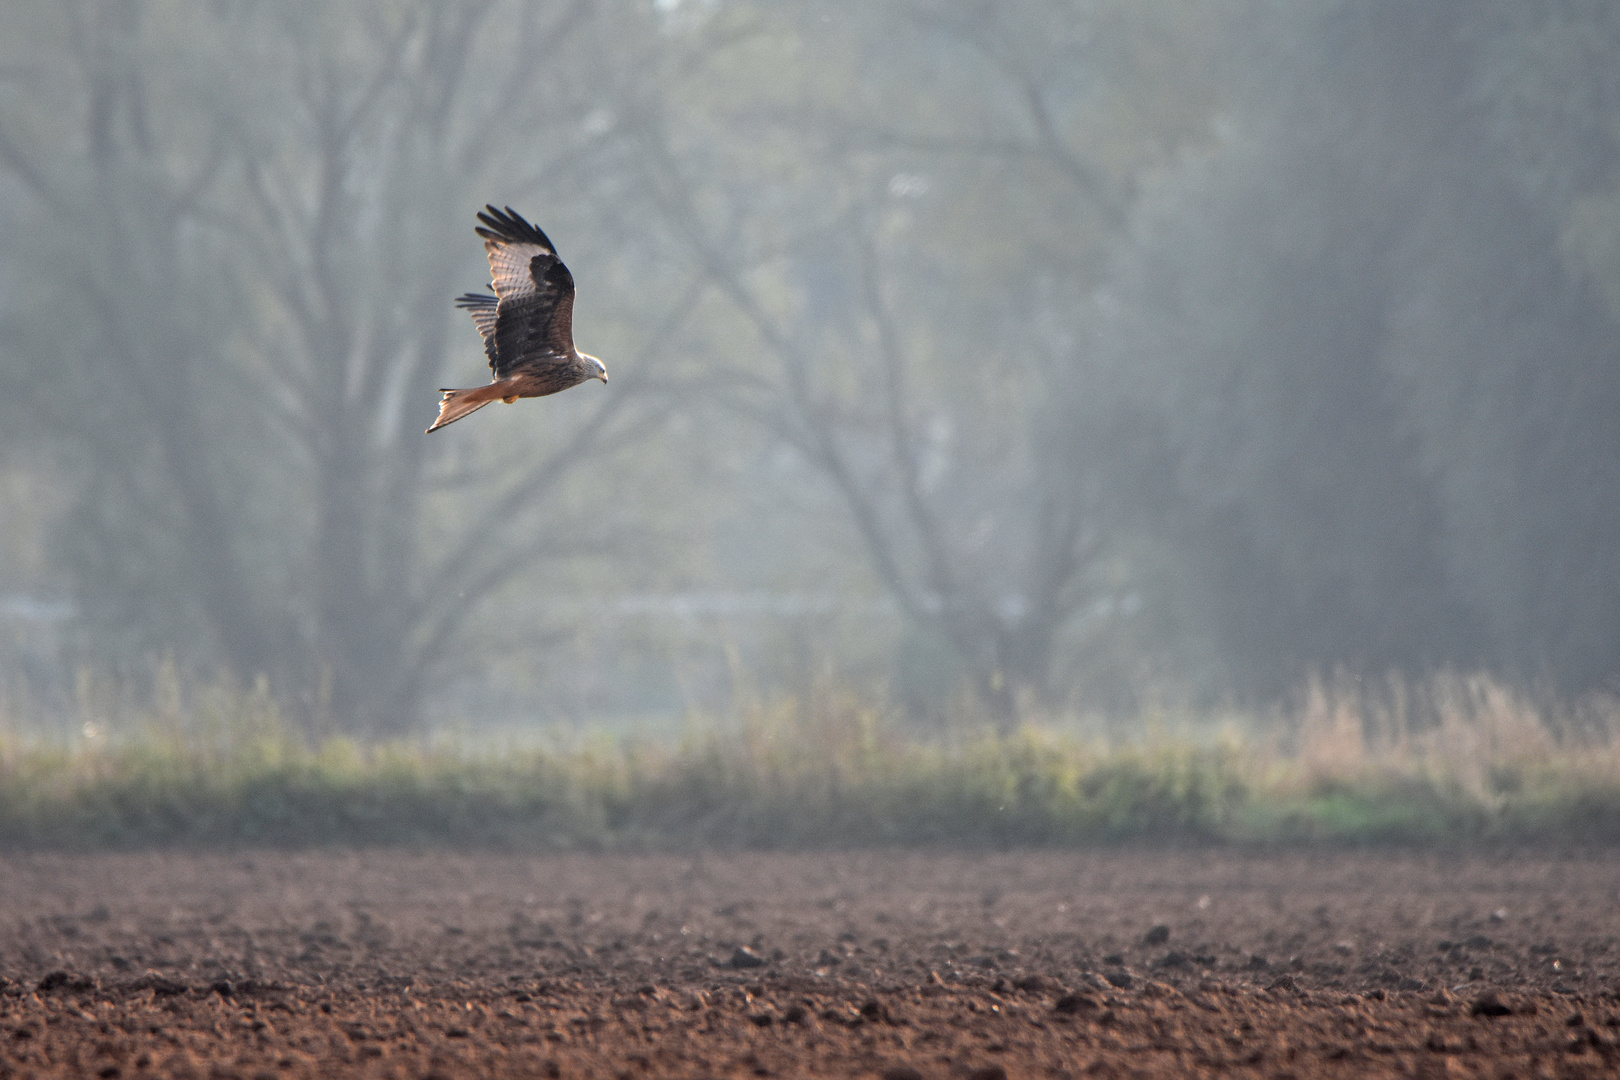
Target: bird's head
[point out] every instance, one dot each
(594, 368)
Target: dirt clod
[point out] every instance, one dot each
(744, 957)
(1069, 1004)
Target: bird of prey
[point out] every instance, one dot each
(528, 325)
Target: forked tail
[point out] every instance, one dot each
(458, 403)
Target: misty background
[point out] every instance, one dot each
(1012, 358)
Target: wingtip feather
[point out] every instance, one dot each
(509, 226)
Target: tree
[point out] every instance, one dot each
(912, 282)
(1386, 399)
(257, 214)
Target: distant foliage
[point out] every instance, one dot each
(1074, 350)
(1373, 340)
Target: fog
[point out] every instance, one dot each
(1022, 359)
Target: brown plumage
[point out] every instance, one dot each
(527, 326)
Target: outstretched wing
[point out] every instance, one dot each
(534, 314)
(482, 308)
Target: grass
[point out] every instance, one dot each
(1454, 758)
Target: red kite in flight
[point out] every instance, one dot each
(528, 325)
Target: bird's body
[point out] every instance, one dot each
(527, 325)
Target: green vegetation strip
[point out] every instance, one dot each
(767, 785)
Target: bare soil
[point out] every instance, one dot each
(892, 965)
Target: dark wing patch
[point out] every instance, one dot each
(552, 278)
(562, 324)
(482, 308)
(533, 328)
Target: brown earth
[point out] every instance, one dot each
(880, 964)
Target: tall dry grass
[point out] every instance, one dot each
(1481, 754)
(1450, 757)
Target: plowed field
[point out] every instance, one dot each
(878, 964)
